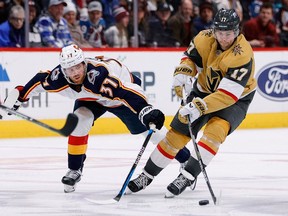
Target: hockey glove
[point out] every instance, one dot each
(148, 115)
(11, 101)
(195, 109)
(182, 78)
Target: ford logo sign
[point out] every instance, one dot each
(272, 81)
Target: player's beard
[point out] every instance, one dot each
(77, 79)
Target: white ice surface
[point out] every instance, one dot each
(249, 176)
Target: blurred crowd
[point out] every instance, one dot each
(110, 23)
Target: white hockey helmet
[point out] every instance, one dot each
(70, 56)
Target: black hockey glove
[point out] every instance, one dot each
(148, 115)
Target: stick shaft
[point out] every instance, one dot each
(121, 192)
(201, 164)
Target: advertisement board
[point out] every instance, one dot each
(155, 68)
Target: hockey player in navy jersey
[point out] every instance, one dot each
(97, 85)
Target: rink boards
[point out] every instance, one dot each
(155, 67)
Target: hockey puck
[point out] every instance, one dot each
(203, 202)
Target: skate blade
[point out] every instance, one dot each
(128, 191)
(169, 195)
(69, 188)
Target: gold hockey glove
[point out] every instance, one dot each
(182, 77)
(195, 109)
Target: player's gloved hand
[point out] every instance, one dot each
(182, 78)
(11, 101)
(194, 109)
(150, 115)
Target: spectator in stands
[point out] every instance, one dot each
(5, 7)
(81, 3)
(159, 32)
(108, 7)
(205, 18)
(254, 8)
(45, 5)
(3, 11)
(12, 32)
(281, 18)
(237, 6)
(181, 23)
(52, 27)
(125, 4)
(277, 5)
(245, 8)
(94, 27)
(117, 34)
(152, 6)
(230, 4)
(175, 5)
(143, 27)
(82, 9)
(261, 31)
(34, 36)
(70, 13)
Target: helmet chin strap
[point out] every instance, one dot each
(236, 31)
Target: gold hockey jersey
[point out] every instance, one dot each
(226, 76)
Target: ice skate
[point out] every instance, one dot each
(70, 180)
(182, 166)
(140, 183)
(178, 186)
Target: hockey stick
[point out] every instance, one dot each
(66, 130)
(201, 164)
(121, 192)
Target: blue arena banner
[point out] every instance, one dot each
(272, 81)
(3, 74)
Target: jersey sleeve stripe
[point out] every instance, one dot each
(231, 88)
(229, 94)
(57, 90)
(31, 89)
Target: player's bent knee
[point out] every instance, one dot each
(173, 142)
(85, 122)
(176, 139)
(217, 130)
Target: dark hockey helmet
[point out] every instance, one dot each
(226, 19)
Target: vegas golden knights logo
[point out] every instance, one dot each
(213, 80)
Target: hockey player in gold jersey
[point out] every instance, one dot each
(220, 61)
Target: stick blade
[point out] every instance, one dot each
(70, 124)
(102, 202)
